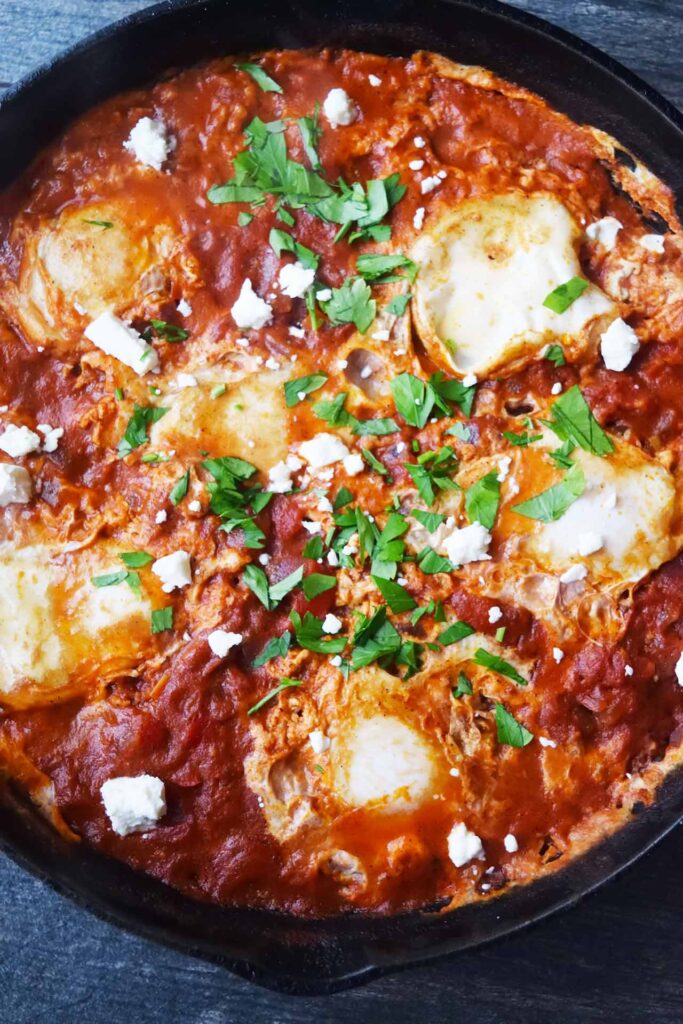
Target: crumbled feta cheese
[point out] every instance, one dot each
(339, 108)
(194, 506)
(353, 464)
(133, 803)
(503, 468)
(558, 654)
(263, 559)
(399, 447)
(416, 165)
(184, 308)
(574, 573)
(336, 660)
(250, 310)
(628, 670)
(469, 380)
(272, 364)
(324, 295)
(323, 450)
(221, 641)
(185, 380)
(604, 232)
(149, 143)
(374, 81)
(319, 741)
(556, 388)
(173, 570)
(545, 742)
(311, 526)
(419, 218)
(117, 339)
(380, 335)
(495, 614)
(161, 516)
(679, 669)
(332, 558)
(588, 542)
(242, 342)
(51, 436)
(618, 345)
(419, 142)
(442, 174)
(463, 845)
(342, 364)
(455, 772)
(653, 243)
(331, 624)
(15, 485)
(366, 372)
(297, 332)
(295, 279)
(510, 843)
(428, 184)
(325, 505)
(467, 544)
(19, 441)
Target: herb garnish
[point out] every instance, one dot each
(262, 79)
(162, 619)
(509, 731)
(233, 500)
(285, 684)
(482, 500)
(497, 664)
(136, 431)
(302, 386)
(561, 298)
(550, 505)
(572, 420)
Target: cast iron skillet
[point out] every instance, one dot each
(281, 952)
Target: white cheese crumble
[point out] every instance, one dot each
(184, 307)
(574, 573)
(353, 464)
(469, 380)
(428, 184)
(161, 516)
(173, 570)
(149, 142)
(133, 803)
(272, 364)
(312, 526)
(263, 559)
(331, 624)
(628, 670)
(588, 542)
(495, 614)
(336, 660)
(374, 81)
(319, 741)
(604, 232)
(556, 388)
(19, 441)
(185, 380)
(503, 468)
(221, 641)
(51, 436)
(545, 742)
(558, 654)
(339, 108)
(295, 279)
(653, 243)
(280, 475)
(419, 142)
(297, 332)
(250, 310)
(419, 218)
(332, 558)
(15, 485)
(194, 506)
(416, 165)
(324, 295)
(679, 669)
(510, 843)
(116, 338)
(467, 544)
(463, 845)
(618, 345)
(323, 450)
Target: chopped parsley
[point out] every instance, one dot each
(309, 635)
(270, 594)
(430, 562)
(482, 500)
(136, 431)
(561, 298)
(105, 224)
(521, 440)
(317, 583)
(552, 504)
(572, 420)
(334, 413)
(233, 500)
(244, 218)
(374, 639)
(179, 490)
(555, 354)
(296, 390)
(464, 686)
(262, 79)
(380, 267)
(374, 462)
(509, 731)
(170, 332)
(162, 619)
(398, 305)
(277, 647)
(433, 472)
(351, 304)
(311, 134)
(136, 559)
(455, 632)
(281, 241)
(285, 684)
(497, 664)
(430, 520)
(396, 596)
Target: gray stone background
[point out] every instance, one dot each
(615, 957)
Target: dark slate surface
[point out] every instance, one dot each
(615, 957)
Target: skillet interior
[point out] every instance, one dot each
(310, 956)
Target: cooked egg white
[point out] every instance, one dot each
(486, 269)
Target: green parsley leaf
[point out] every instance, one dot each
(552, 504)
(285, 684)
(311, 134)
(343, 497)
(373, 461)
(118, 394)
(433, 472)
(413, 397)
(106, 224)
(464, 687)
(396, 596)
(561, 455)
(162, 619)
(572, 420)
(462, 431)
(257, 581)
(136, 559)
(500, 634)
(136, 431)
(277, 591)
(562, 297)
(509, 731)
(170, 332)
(313, 548)
(309, 635)
(453, 391)
(110, 579)
(179, 489)
(430, 562)
(521, 440)
(317, 583)
(376, 266)
(277, 647)
(352, 303)
(218, 390)
(497, 664)
(430, 520)
(233, 500)
(281, 242)
(398, 305)
(262, 79)
(334, 413)
(555, 354)
(303, 385)
(482, 500)
(455, 632)
(244, 218)
(373, 639)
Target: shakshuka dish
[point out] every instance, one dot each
(341, 420)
